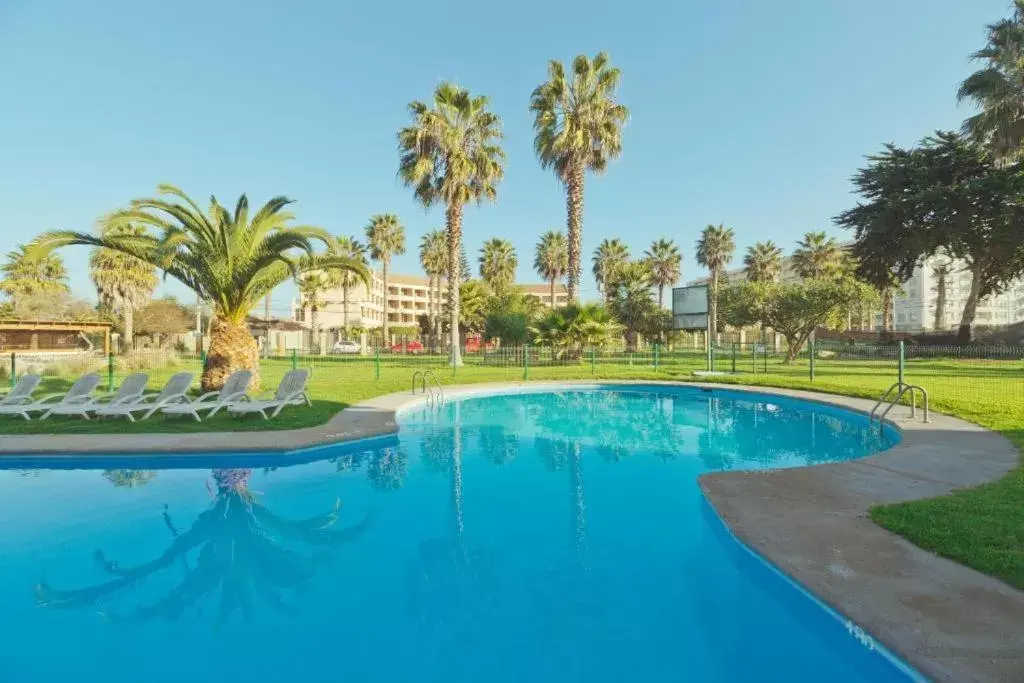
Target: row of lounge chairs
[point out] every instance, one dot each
(133, 402)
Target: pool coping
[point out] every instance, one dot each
(948, 621)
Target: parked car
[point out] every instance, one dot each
(346, 346)
(408, 347)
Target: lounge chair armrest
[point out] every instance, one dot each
(74, 400)
(49, 397)
(207, 395)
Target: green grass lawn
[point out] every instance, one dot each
(981, 527)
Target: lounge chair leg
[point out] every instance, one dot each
(196, 416)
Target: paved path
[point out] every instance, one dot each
(950, 622)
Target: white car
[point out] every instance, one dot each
(346, 346)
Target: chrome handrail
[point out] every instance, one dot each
(429, 375)
(903, 388)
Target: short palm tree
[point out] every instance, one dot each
(817, 255)
(609, 256)
(498, 262)
(763, 262)
(385, 236)
(450, 155)
(551, 259)
(25, 273)
(230, 259)
(998, 87)
(631, 300)
(123, 283)
(578, 128)
(714, 251)
(434, 261)
(352, 248)
(666, 264)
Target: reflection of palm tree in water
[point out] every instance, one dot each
(129, 478)
(243, 550)
(560, 455)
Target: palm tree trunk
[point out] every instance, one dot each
(344, 303)
(713, 306)
(966, 332)
(430, 305)
(128, 320)
(384, 276)
(574, 208)
(454, 227)
(940, 301)
(552, 301)
(232, 347)
(314, 326)
(661, 295)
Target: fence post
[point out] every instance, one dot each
(810, 346)
(526, 361)
(711, 357)
(753, 359)
(657, 354)
(14, 369)
(900, 362)
(593, 361)
(376, 362)
(734, 358)
(295, 359)
(110, 372)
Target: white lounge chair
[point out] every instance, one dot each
(174, 391)
(21, 392)
(290, 392)
(234, 390)
(130, 391)
(79, 393)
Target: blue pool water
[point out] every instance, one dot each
(546, 536)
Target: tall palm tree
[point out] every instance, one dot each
(434, 260)
(610, 255)
(25, 273)
(352, 248)
(498, 262)
(665, 262)
(385, 235)
(998, 87)
(311, 285)
(714, 251)
(551, 258)
(817, 255)
(123, 283)
(230, 259)
(450, 155)
(578, 128)
(763, 262)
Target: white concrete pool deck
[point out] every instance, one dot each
(948, 621)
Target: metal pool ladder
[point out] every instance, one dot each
(900, 388)
(434, 392)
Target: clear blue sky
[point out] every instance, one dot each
(743, 112)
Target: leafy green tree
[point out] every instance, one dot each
(946, 195)
(123, 283)
(714, 251)
(385, 236)
(26, 274)
(450, 155)
(509, 314)
(997, 89)
(666, 264)
(632, 303)
(763, 262)
(350, 248)
(551, 259)
(578, 128)
(817, 255)
(230, 259)
(473, 298)
(610, 255)
(163, 317)
(794, 309)
(434, 261)
(498, 262)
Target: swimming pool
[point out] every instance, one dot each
(554, 535)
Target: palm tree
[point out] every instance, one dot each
(665, 263)
(609, 256)
(551, 259)
(498, 262)
(25, 273)
(434, 260)
(817, 255)
(578, 128)
(352, 248)
(450, 155)
(570, 329)
(385, 236)
(631, 300)
(123, 283)
(714, 251)
(311, 284)
(230, 259)
(998, 87)
(763, 262)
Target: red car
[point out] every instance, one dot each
(408, 347)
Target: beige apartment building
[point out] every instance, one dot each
(407, 298)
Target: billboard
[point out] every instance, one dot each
(690, 308)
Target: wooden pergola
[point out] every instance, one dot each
(33, 327)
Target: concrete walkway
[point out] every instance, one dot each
(950, 622)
